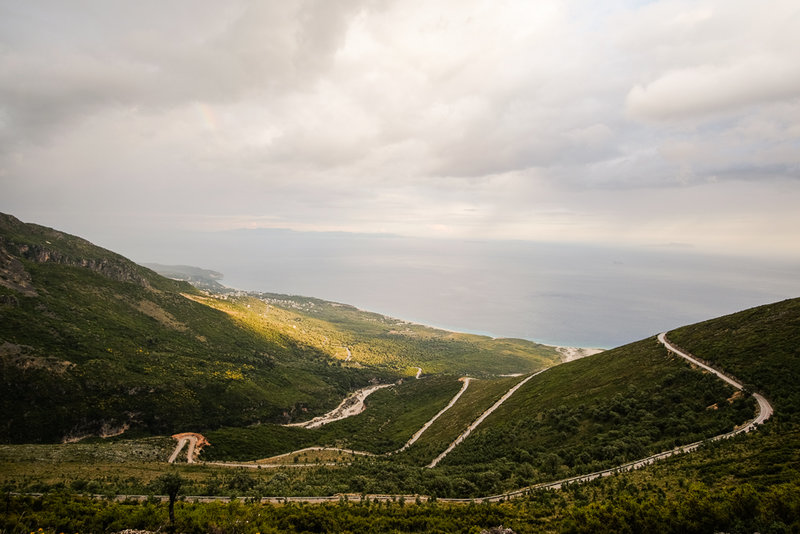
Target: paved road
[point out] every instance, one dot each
(765, 409)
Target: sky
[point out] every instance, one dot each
(646, 124)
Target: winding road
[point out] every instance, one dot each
(195, 441)
(765, 411)
(331, 416)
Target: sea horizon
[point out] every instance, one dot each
(555, 294)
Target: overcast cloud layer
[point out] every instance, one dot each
(643, 123)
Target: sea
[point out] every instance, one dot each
(557, 294)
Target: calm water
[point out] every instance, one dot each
(555, 294)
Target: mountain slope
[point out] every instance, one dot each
(760, 346)
(602, 411)
(749, 483)
(204, 279)
(357, 337)
(92, 343)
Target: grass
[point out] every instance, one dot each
(106, 344)
(588, 414)
(479, 396)
(97, 346)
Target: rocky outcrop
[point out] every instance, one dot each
(117, 269)
(21, 241)
(24, 357)
(14, 276)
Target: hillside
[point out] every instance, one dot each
(576, 417)
(761, 346)
(355, 337)
(94, 344)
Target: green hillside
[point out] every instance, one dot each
(391, 417)
(93, 344)
(602, 411)
(357, 337)
(760, 346)
(747, 484)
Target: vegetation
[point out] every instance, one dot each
(598, 412)
(610, 506)
(356, 337)
(92, 355)
(544, 432)
(392, 416)
(91, 344)
(760, 346)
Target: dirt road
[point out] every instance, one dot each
(195, 441)
(419, 432)
(352, 405)
(480, 419)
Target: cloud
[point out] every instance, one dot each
(499, 119)
(103, 59)
(710, 89)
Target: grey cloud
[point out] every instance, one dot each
(397, 115)
(263, 48)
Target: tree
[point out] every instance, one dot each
(170, 484)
